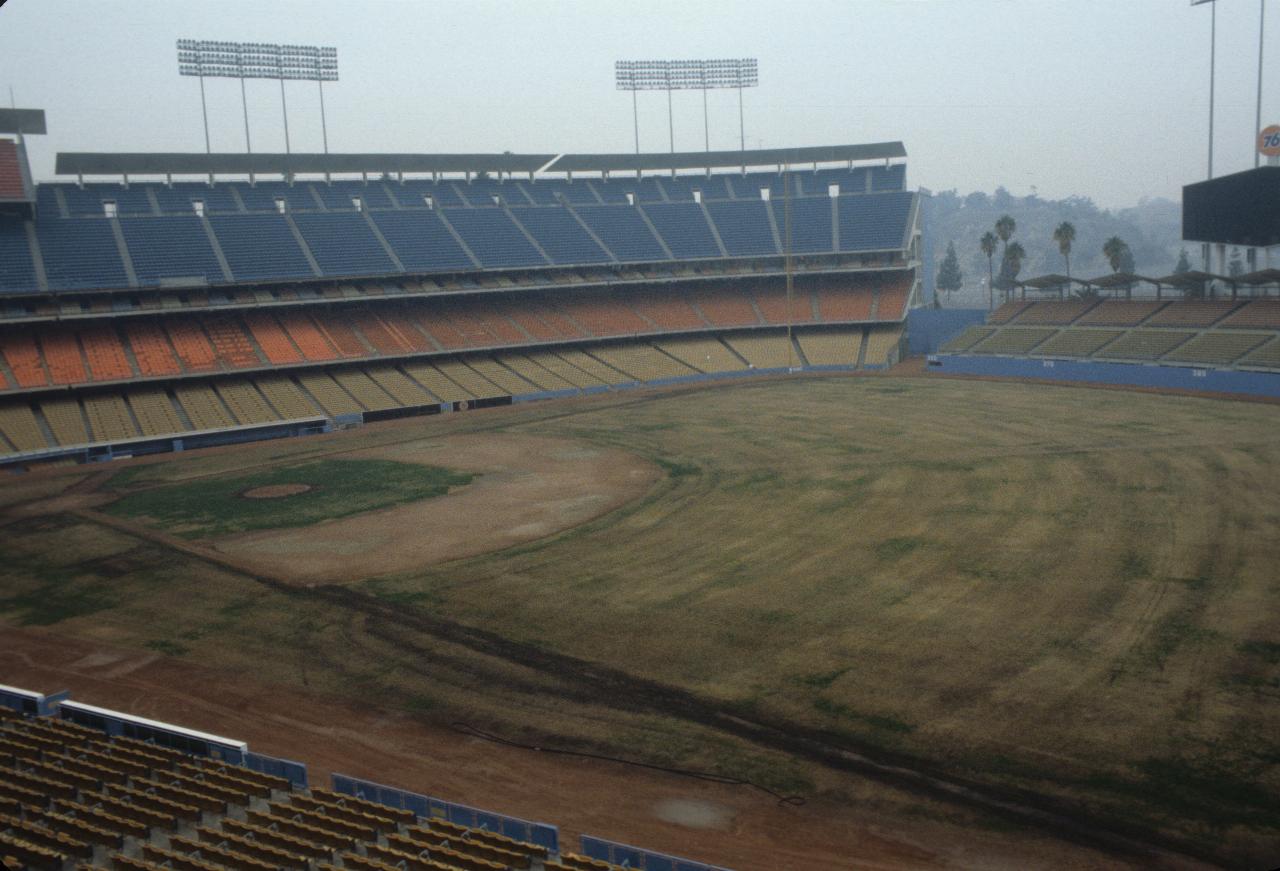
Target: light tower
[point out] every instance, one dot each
(687, 75)
(258, 60)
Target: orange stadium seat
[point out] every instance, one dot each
(845, 303)
(462, 316)
(727, 307)
(773, 305)
(494, 319)
(604, 315)
(670, 310)
(531, 323)
(23, 357)
(62, 356)
(335, 327)
(231, 343)
(893, 301)
(107, 360)
(444, 332)
(310, 341)
(273, 340)
(192, 346)
(555, 319)
(399, 325)
(151, 348)
(383, 340)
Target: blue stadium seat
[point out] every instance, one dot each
(576, 193)
(743, 226)
(412, 193)
(260, 246)
(262, 196)
(684, 228)
(560, 235)
(343, 244)
(337, 196)
(893, 178)
(810, 223)
(875, 222)
(492, 237)
(17, 273)
(623, 231)
(176, 200)
(80, 253)
(682, 187)
(88, 201)
(541, 193)
(421, 240)
(170, 247)
(610, 191)
(47, 201)
(481, 192)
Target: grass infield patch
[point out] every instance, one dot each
(338, 488)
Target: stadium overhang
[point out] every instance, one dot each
(663, 161)
(1260, 278)
(1192, 281)
(81, 163)
(1052, 283)
(22, 122)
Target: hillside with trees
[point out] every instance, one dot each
(1046, 233)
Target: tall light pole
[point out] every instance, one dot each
(257, 60)
(685, 75)
(1257, 119)
(1213, 47)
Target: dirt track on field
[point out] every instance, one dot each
(528, 487)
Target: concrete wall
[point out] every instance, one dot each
(928, 328)
(1122, 374)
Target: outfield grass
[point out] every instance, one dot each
(1067, 590)
(339, 488)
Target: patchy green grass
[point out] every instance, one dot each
(339, 487)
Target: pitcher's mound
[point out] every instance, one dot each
(275, 491)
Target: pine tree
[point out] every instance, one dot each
(950, 278)
(1184, 263)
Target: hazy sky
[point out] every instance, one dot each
(1099, 98)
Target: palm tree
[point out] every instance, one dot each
(1014, 254)
(988, 245)
(1064, 235)
(1004, 229)
(1114, 250)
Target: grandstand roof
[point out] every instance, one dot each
(173, 163)
(28, 122)
(1194, 278)
(1262, 276)
(1122, 279)
(195, 163)
(1045, 282)
(709, 159)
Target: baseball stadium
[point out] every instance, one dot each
(617, 510)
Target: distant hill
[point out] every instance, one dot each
(1153, 229)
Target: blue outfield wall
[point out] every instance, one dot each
(928, 328)
(294, 772)
(543, 834)
(1120, 374)
(635, 857)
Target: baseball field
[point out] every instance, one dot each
(958, 618)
